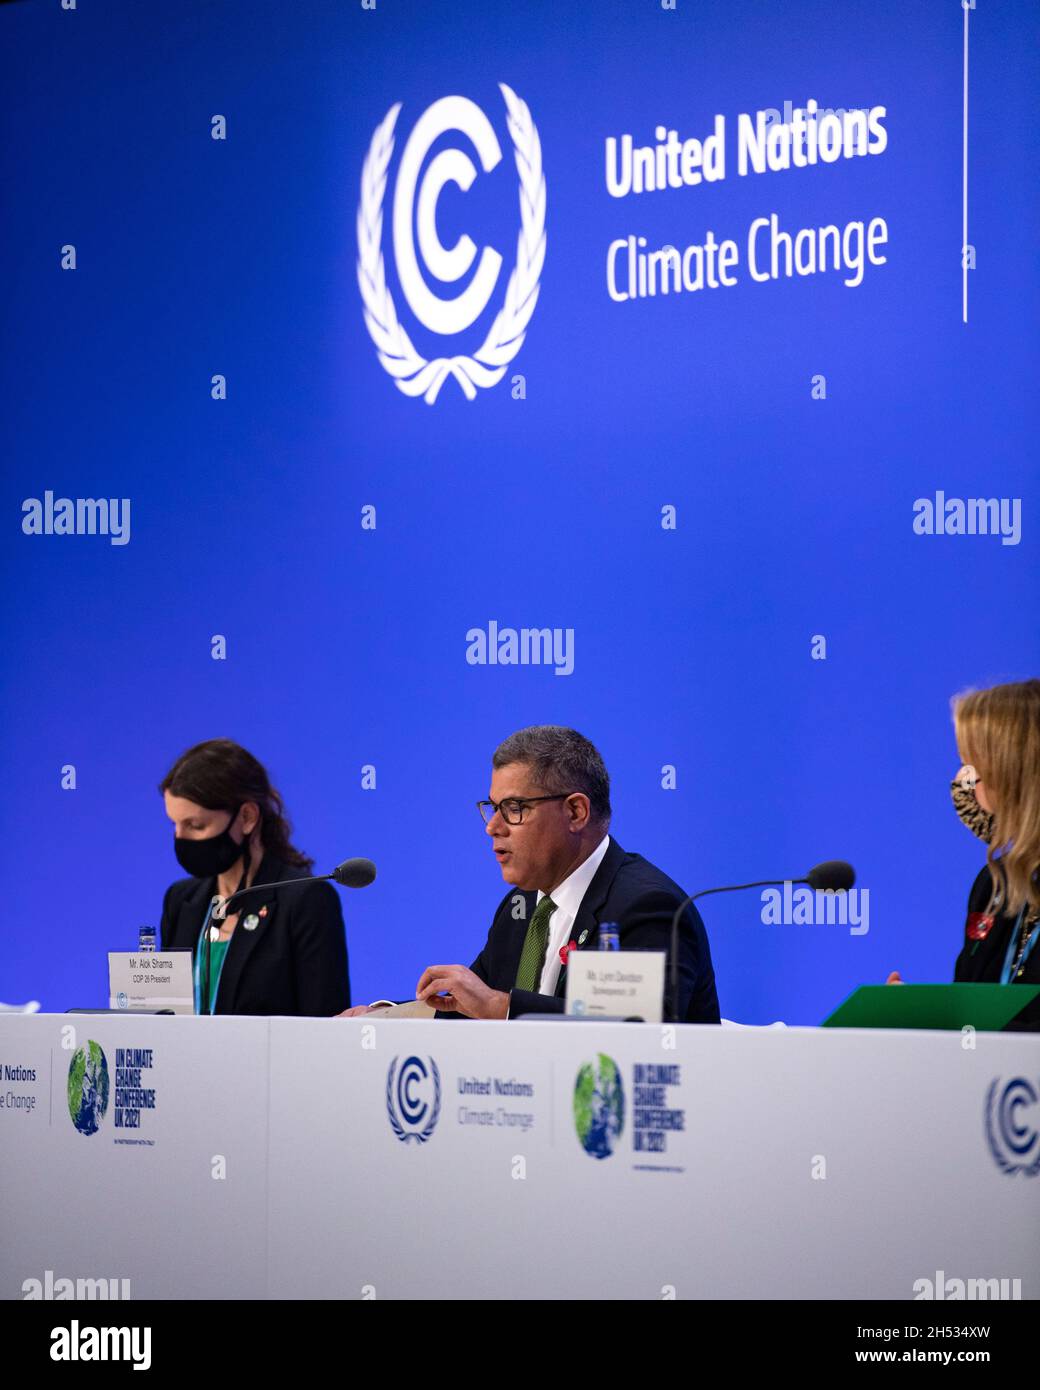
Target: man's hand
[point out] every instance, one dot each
(355, 1012)
(454, 988)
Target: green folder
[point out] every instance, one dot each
(987, 1008)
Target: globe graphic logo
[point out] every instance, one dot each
(599, 1106)
(88, 1088)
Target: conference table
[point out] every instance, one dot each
(364, 1158)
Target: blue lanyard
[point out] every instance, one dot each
(1005, 974)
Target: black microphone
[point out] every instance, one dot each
(832, 876)
(352, 873)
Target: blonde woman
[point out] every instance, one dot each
(997, 796)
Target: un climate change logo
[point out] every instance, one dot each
(1014, 1138)
(599, 1106)
(88, 1088)
(413, 1098)
(415, 202)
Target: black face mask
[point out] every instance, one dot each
(210, 857)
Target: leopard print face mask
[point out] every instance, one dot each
(962, 790)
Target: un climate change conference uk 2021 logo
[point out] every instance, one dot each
(599, 1106)
(1012, 1118)
(88, 1088)
(413, 1098)
(415, 211)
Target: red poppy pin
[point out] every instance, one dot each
(979, 925)
(566, 950)
(263, 910)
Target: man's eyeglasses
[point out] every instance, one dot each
(512, 808)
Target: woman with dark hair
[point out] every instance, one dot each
(283, 951)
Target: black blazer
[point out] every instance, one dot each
(642, 900)
(293, 962)
(982, 961)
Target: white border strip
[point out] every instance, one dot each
(964, 220)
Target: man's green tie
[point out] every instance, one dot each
(532, 957)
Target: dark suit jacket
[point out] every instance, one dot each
(982, 961)
(294, 962)
(642, 900)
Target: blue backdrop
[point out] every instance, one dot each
(537, 504)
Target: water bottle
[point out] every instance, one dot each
(146, 941)
(608, 937)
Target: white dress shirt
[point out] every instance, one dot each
(567, 898)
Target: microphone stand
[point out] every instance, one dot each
(673, 970)
(344, 874)
(285, 883)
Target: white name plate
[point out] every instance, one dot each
(625, 983)
(160, 981)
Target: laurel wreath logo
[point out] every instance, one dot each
(414, 374)
(1032, 1169)
(435, 1110)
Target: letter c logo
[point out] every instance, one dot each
(446, 264)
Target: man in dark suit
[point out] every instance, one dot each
(548, 816)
